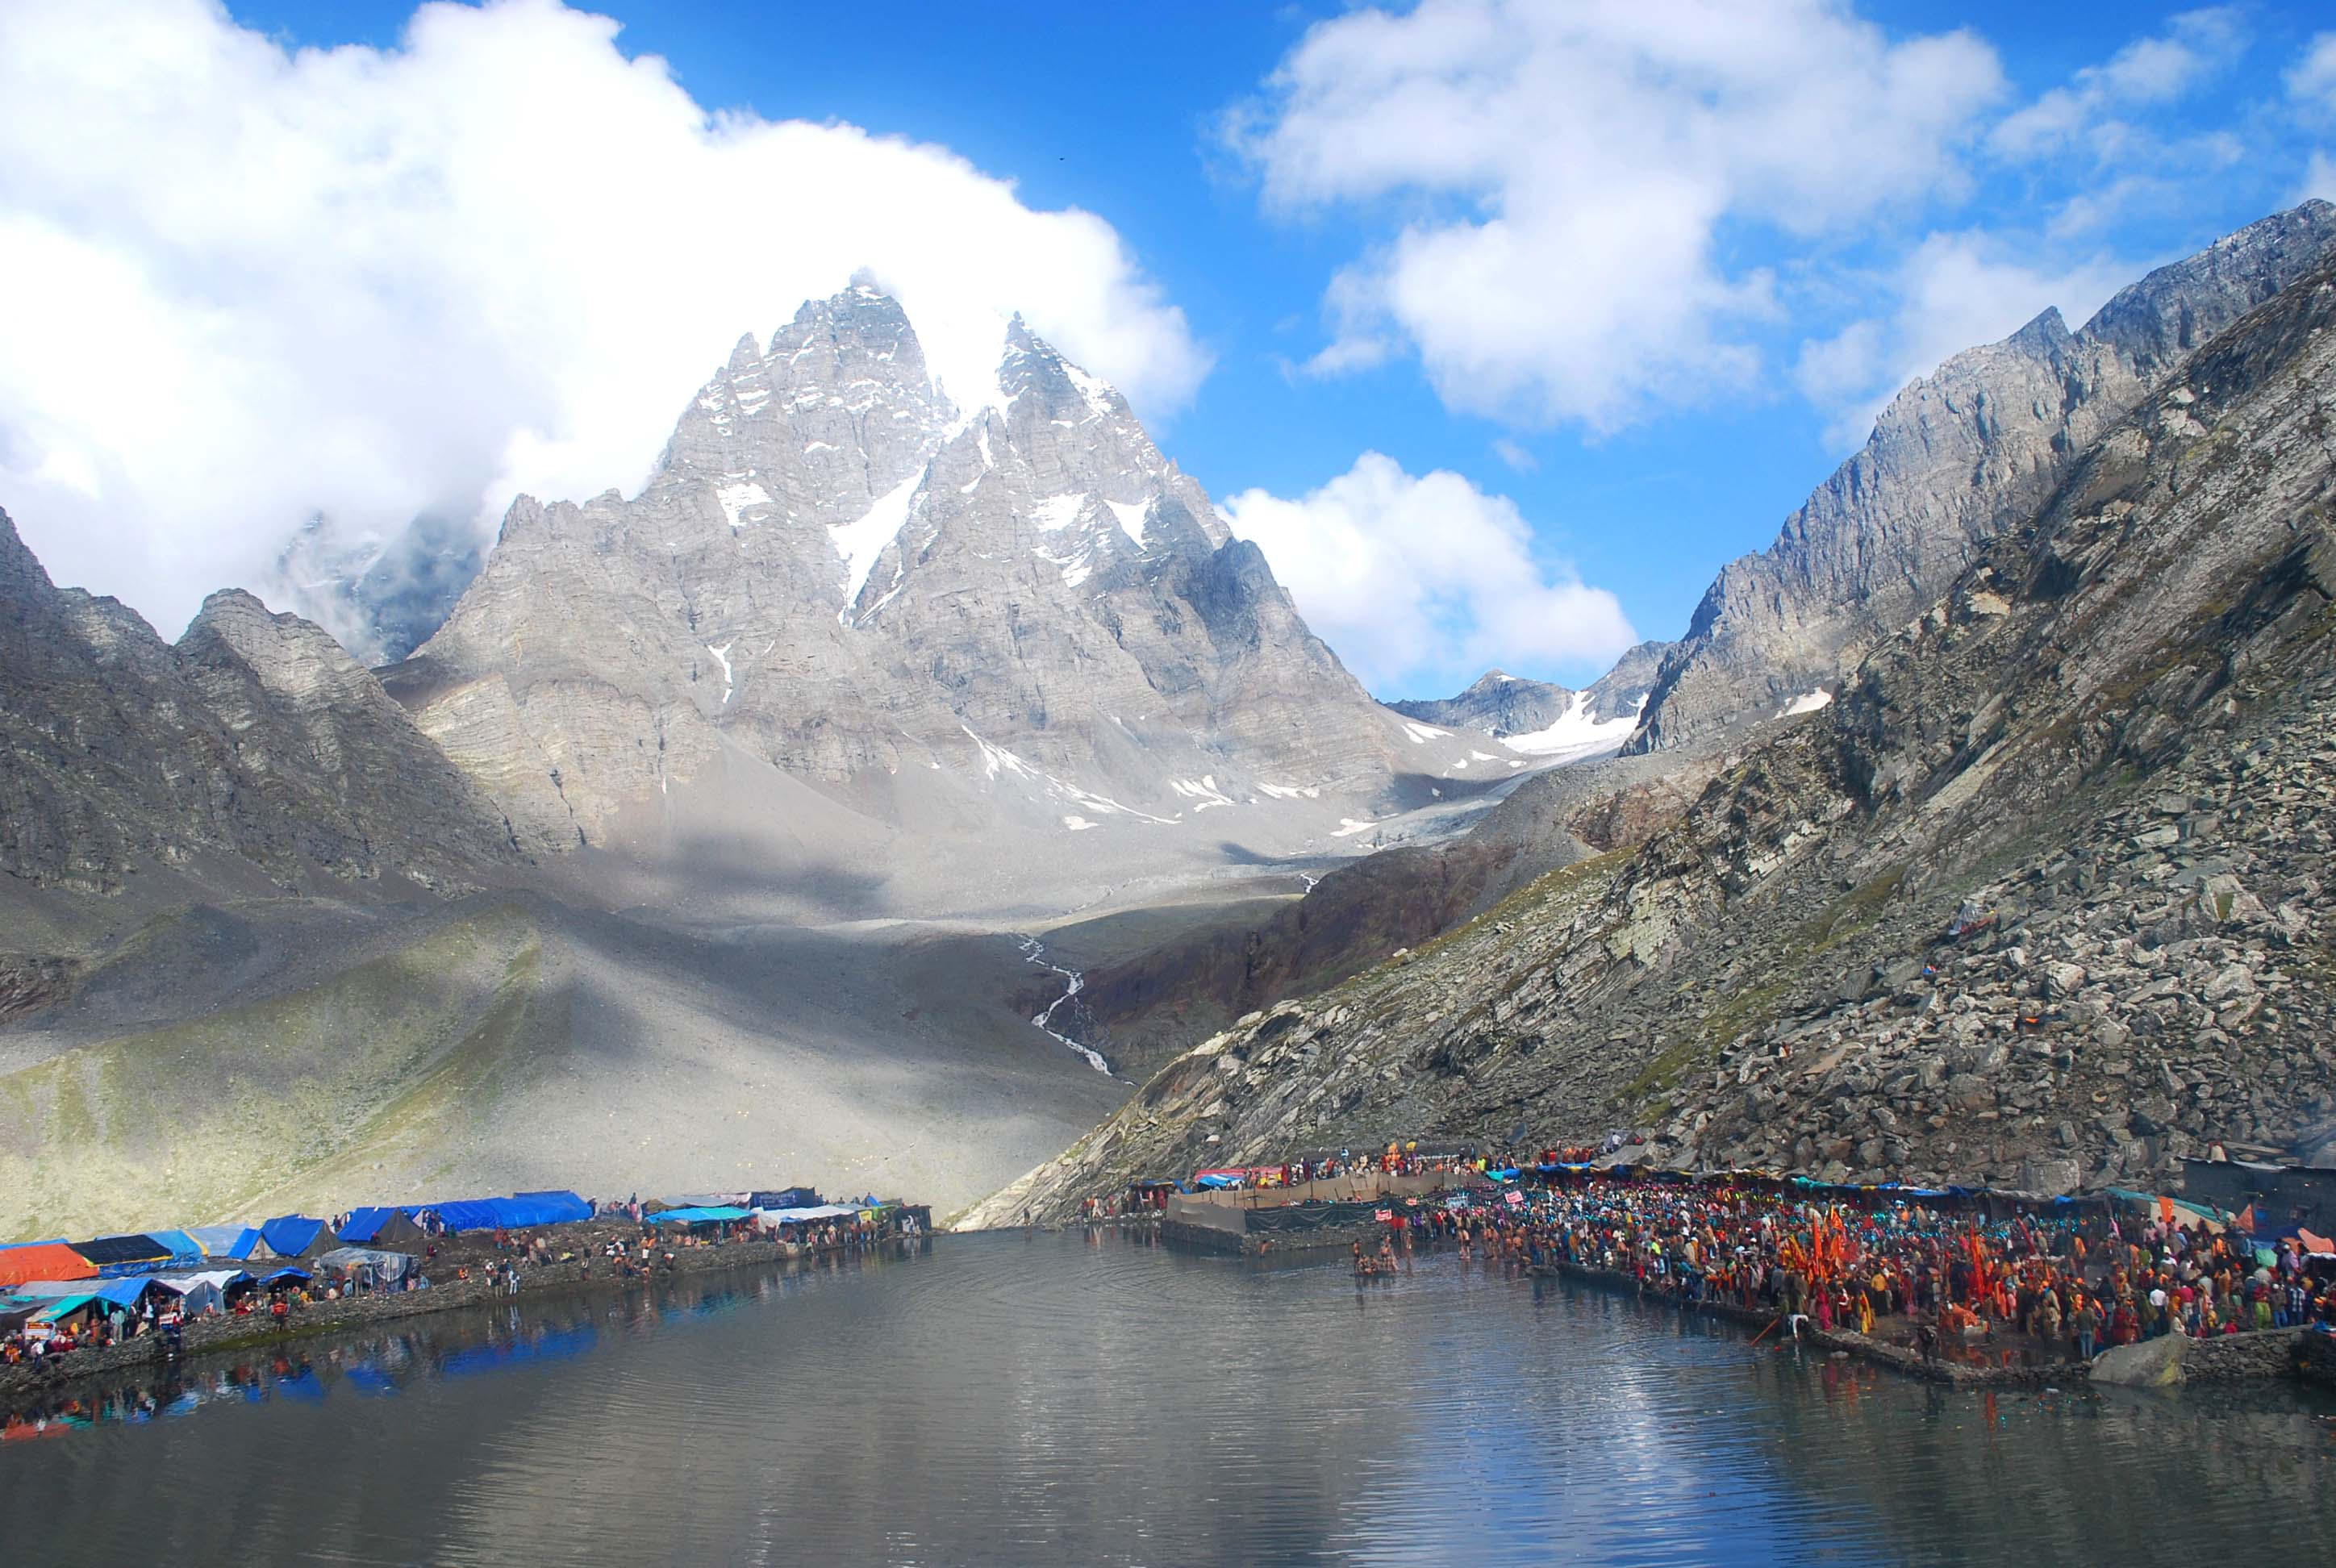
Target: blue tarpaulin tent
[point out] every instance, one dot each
(701, 1216)
(468, 1215)
(368, 1224)
(185, 1250)
(522, 1209)
(296, 1235)
(236, 1242)
(548, 1208)
(122, 1293)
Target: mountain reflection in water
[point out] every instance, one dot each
(1017, 1398)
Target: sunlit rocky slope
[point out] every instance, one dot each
(2113, 731)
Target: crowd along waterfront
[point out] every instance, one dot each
(1093, 1395)
(69, 1310)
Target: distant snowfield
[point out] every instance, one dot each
(1807, 702)
(1576, 734)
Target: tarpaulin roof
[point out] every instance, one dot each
(216, 1279)
(292, 1235)
(63, 1306)
(552, 1207)
(797, 1216)
(549, 1208)
(364, 1224)
(122, 1292)
(468, 1215)
(181, 1243)
(112, 1251)
(43, 1261)
(702, 1215)
(285, 1273)
(225, 1241)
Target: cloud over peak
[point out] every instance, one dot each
(1423, 582)
(257, 284)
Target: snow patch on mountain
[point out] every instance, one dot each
(735, 498)
(1131, 515)
(1807, 702)
(860, 542)
(1576, 734)
(722, 656)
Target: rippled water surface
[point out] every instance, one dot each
(1013, 1398)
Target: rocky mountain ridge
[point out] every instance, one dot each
(254, 742)
(837, 573)
(2042, 898)
(1956, 457)
(1507, 707)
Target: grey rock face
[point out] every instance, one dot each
(839, 572)
(1501, 704)
(1498, 704)
(1954, 459)
(256, 738)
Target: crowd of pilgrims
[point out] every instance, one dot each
(2074, 1284)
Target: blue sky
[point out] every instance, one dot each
(1983, 160)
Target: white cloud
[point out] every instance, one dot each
(1422, 583)
(2312, 81)
(1842, 365)
(1953, 292)
(2319, 178)
(2195, 46)
(1566, 173)
(251, 285)
(1515, 455)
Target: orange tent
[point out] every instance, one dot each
(43, 1260)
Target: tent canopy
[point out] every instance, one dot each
(296, 1235)
(184, 1248)
(800, 1217)
(217, 1279)
(121, 1293)
(43, 1261)
(58, 1307)
(380, 1225)
(555, 1206)
(548, 1208)
(391, 1266)
(702, 1216)
(120, 1253)
(236, 1242)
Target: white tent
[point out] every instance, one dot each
(201, 1293)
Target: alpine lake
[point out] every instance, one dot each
(1090, 1398)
